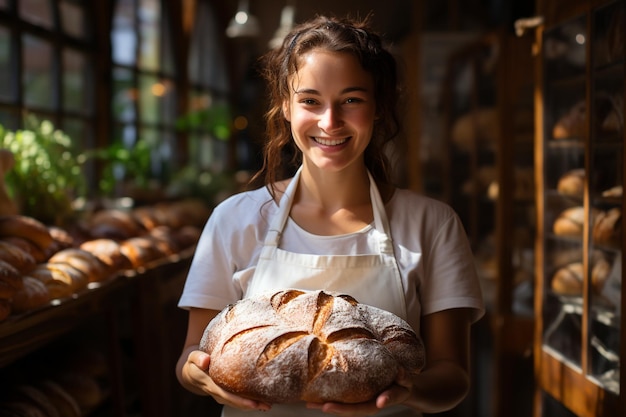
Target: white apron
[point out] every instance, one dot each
(372, 279)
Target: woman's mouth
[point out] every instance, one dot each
(330, 142)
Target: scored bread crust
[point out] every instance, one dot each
(313, 346)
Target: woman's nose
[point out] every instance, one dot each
(330, 118)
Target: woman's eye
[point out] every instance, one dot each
(353, 100)
(308, 101)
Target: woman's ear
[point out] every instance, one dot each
(286, 111)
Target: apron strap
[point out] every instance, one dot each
(381, 222)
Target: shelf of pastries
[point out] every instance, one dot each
(52, 278)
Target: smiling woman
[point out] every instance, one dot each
(337, 225)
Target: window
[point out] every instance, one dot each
(208, 116)
(144, 92)
(45, 56)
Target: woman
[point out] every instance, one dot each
(333, 97)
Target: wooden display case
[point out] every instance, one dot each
(579, 339)
(489, 174)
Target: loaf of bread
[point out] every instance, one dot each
(572, 183)
(607, 226)
(16, 256)
(570, 222)
(33, 295)
(85, 262)
(28, 228)
(314, 346)
(107, 251)
(572, 125)
(568, 280)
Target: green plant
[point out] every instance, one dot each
(47, 176)
(122, 163)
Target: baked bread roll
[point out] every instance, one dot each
(83, 261)
(108, 252)
(570, 222)
(314, 346)
(140, 250)
(607, 226)
(572, 125)
(114, 224)
(61, 279)
(572, 183)
(16, 256)
(28, 228)
(27, 246)
(568, 280)
(10, 276)
(33, 295)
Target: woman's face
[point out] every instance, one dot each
(331, 109)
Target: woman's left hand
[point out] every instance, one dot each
(396, 394)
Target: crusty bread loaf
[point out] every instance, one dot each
(314, 346)
(568, 280)
(572, 125)
(28, 228)
(10, 275)
(107, 251)
(33, 295)
(572, 183)
(607, 226)
(87, 263)
(570, 222)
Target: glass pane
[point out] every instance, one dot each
(38, 12)
(149, 30)
(168, 102)
(565, 133)
(9, 120)
(207, 66)
(75, 90)
(123, 35)
(124, 95)
(7, 86)
(78, 130)
(154, 140)
(167, 56)
(605, 191)
(72, 19)
(148, 100)
(37, 74)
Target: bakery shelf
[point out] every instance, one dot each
(580, 338)
(25, 333)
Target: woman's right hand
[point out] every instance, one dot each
(195, 377)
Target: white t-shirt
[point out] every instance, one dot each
(433, 255)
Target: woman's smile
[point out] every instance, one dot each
(330, 141)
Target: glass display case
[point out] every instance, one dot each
(580, 148)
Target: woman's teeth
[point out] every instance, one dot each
(330, 142)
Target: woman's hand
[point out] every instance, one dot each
(192, 369)
(196, 378)
(395, 395)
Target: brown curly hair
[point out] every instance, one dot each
(280, 154)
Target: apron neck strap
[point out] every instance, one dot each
(381, 222)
